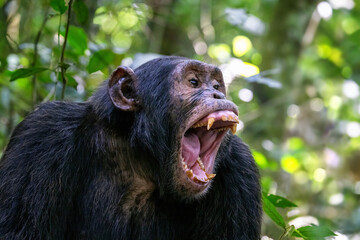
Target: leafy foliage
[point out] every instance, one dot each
(270, 210)
(58, 5)
(26, 72)
(293, 71)
(281, 202)
(313, 232)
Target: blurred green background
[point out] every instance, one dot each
(292, 67)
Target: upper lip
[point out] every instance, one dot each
(206, 113)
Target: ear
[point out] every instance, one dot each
(122, 89)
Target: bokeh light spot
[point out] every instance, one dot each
(290, 164)
(353, 129)
(316, 104)
(325, 10)
(200, 47)
(219, 51)
(249, 70)
(335, 102)
(293, 111)
(295, 143)
(350, 25)
(319, 175)
(241, 45)
(350, 89)
(245, 95)
(260, 159)
(268, 145)
(336, 199)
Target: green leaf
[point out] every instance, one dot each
(77, 39)
(298, 234)
(313, 232)
(59, 6)
(281, 202)
(100, 59)
(26, 72)
(271, 211)
(81, 11)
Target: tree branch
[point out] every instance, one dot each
(64, 66)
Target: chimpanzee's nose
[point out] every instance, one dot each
(219, 95)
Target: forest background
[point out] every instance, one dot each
(292, 67)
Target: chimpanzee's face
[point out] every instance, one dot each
(189, 97)
(199, 95)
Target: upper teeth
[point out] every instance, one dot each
(224, 118)
(210, 123)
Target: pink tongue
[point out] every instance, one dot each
(190, 152)
(190, 148)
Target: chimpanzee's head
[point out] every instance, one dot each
(181, 116)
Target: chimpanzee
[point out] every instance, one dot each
(148, 156)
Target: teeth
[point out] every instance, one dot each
(233, 129)
(194, 177)
(200, 180)
(199, 125)
(190, 173)
(210, 123)
(221, 129)
(201, 164)
(224, 118)
(210, 175)
(236, 119)
(185, 166)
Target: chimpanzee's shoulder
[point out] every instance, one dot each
(51, 119)
(61, 108)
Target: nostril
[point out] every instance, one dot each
(219, 96)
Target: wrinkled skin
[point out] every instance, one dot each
(118, 166)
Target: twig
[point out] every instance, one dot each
(36, 42)
(64, 66)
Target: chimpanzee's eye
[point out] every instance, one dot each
(217, 86)
(194, 82)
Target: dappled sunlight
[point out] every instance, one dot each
(291, 67)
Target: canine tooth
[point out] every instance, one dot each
(210, 175)
(189, 173)
(233, 129)
(210, 123)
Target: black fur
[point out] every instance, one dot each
(77, 170)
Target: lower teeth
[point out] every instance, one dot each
(201, 164)
(193, 176)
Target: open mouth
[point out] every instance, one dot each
(201, 142)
